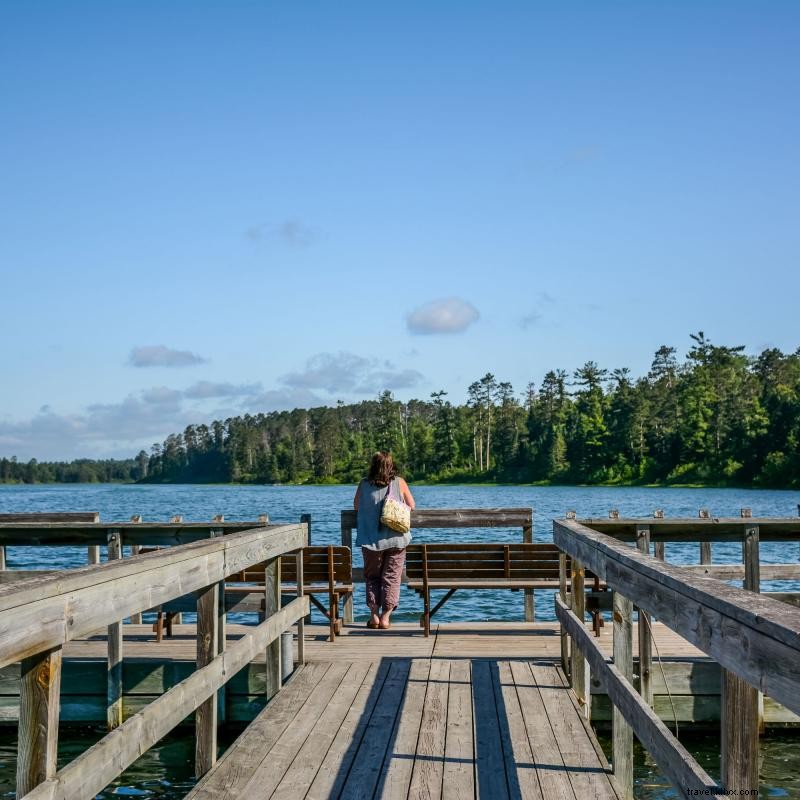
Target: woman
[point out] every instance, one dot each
(384, 550)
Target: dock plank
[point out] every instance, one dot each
(490, 770)
(459, 756)
(426, 777)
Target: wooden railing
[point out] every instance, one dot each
(40, 615)
(451, 518)
(755, 639)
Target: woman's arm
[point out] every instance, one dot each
(406, 493)
(355, 499)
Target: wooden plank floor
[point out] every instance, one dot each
(416, 727)
(447, 640)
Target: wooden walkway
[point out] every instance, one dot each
(416, 727)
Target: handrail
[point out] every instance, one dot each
(755, 639)
(38, 616)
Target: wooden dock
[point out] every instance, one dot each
(416, 727)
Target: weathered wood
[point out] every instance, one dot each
(347, 541)
(52, 610)
(272, 603)
(715, 529)
(207, 645)
(562, 592)
(736, 572)
(40, 687)
(672, 757)
(739, 729)
(51, 516)
(301, 642)
(644, 622)
(755, 637)
(426, 777)
(622, 733)
(2, 557)
(94, 769)
(115, 667)
(530, 602)
(458, 518)
(577, 670)
(705, 552)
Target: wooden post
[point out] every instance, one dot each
(305, 519)
(622, 733)
(93, 554)
(222, 701)
(272, 581)
(136, 619)
(530, 600)
(705, 552)
(114, 686)
(578, 666)
(740, 717)
(205, 753)
(301, 644)
(2, 556)
(658, 551)
(40, 686)
(645, 640)
(562, 591)
(347, 604)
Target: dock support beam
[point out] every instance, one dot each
(622, 733)
(114, 685)
(40, 686)
(272, 580)
(530, 601)
(740, 701)
(645, 640)
(578, 669)
(205, 754)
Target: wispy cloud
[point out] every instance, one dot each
(159, 355)
(450, 315)
(203, 390)
(290, 232)
(530, 320)
(348, 373)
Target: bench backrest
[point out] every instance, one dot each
(316, 559)
(484, 560)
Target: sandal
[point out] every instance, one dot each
(373, 625)
(384, 626)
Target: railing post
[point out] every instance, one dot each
(530, 600)
(301, 642)
(578, 662)
(205, 753)
(272, 604)
(114, 686)
(347, 605)
(222, 637)
(740, 717)
(40, 687)
(305, 519)
(645, 641)
(622, 733)
(136, 619)
(562, 592)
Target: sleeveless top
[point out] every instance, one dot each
(370, 533)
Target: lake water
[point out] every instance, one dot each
(166, 770)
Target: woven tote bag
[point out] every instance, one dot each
(395, 514)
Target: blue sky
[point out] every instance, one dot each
(211, 208)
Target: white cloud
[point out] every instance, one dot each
(202, 390)
(347, 373)
(290, 232)
(158, 355)
(450, 315)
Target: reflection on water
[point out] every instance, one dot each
(165, 771)
(778, 767)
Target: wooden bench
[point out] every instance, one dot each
(494, 565)
(327, 569)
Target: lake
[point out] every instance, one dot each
(166, 770)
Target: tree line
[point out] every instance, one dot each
(719, 417)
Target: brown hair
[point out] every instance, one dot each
(381, 469)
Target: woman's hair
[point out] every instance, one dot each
(381, 469)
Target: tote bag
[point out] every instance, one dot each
(395, 514)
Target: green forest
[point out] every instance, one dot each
(719, 417)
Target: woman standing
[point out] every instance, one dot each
(384, 550)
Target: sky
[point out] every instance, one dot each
(208, 209)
